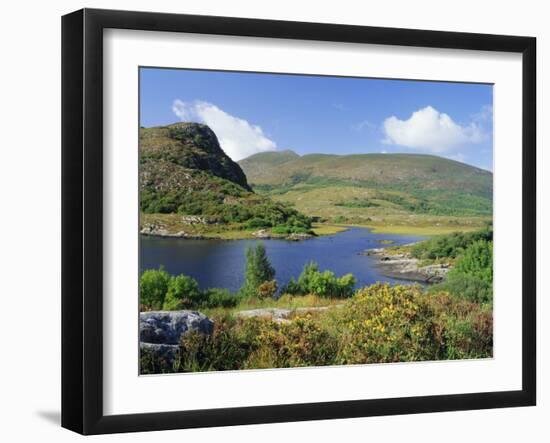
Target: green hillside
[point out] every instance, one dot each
(412, 171)
(190, 187)
(376, 189)
(259, 164)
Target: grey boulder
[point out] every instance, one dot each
(166, 327)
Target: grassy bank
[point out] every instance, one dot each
(177, 223)
(428, 230)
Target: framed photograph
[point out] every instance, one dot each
(268, 221)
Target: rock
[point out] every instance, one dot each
(194, 220)
(159, 231)
(262, 233)
(166, 327)
(299, 236)
(281, 315)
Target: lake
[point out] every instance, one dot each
(220, 263)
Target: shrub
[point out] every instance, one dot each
(384, 323)
(183, 292)
(267, 289)
(216, 297)
(227, 348)
(450, 246)
(257, 343)
(472, 276)
(285, 230)
(477, 261)
(257, 223)
(153, 285)
(301, 342)
(323, 284)
(258, 270)
(466, 286)
(158, 290)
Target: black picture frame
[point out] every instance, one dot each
(82, 218)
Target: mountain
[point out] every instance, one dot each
(191, 146)
(184, 171)
(425, 171)
(260, 164)
(421, 184)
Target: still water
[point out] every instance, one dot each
(220, 263)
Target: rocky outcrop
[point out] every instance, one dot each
(188, 145)
(160, 332)
(404, 267)
(161, 231)
(265, 234)
(281, 315)
(166, 327)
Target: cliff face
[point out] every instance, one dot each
(191, 146)
(184, 170)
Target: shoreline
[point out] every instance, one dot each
(319, 230)
(404, 267)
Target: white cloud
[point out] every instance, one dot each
(485, 115)
(237, 137)
(430, 130)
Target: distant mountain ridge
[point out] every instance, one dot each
(359, 187)
(428, 172)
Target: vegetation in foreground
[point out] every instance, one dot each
(379, 324)
(375, 324)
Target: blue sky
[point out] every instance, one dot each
(312, 114)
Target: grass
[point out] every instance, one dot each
(428, 231)
(383, 216)
(286, 301)
(327, 229)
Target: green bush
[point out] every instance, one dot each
(323, 284)
(159, 290)
(477, 261)
(183, 292)
(153, 286)
(450, 246)
(257, 223)
(216, 297)
(472, 276)
(285, 230)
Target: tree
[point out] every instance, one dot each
(258, 270)
(183, 292)
(153, 286)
